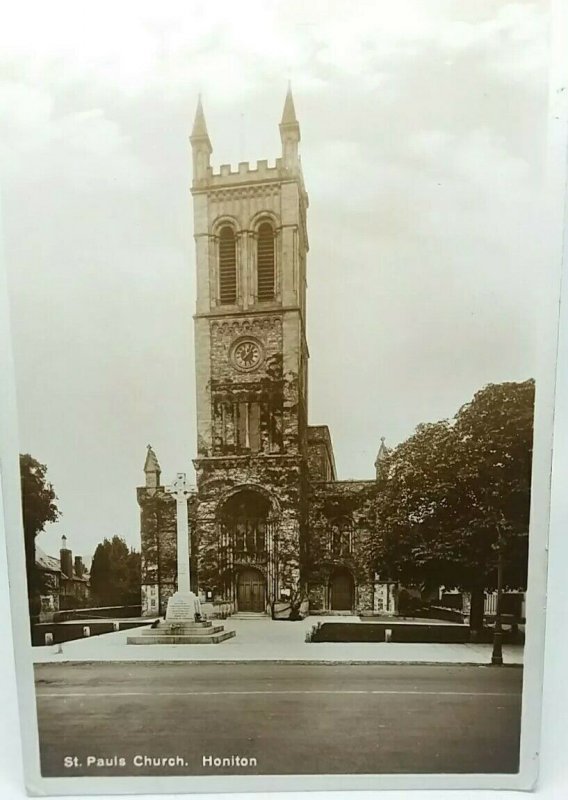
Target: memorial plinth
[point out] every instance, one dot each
(183, 607)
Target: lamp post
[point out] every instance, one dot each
(497, 654)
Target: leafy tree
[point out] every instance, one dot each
(38, 508)
(458, 492)
(115, 573)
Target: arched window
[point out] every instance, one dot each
(227, 266)
(265, 262)
(340, 539)
(245, 516)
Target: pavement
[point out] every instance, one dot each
(177, 719)
(262, 639)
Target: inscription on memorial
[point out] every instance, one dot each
(181, 609)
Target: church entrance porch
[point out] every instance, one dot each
(246, 555)
(341, 590)
(251, 591)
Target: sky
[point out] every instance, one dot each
(423, 149)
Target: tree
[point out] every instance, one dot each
(115, 573)
(456, 493)
(38, 508)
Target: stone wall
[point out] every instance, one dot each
(50, 589)
(321, 461)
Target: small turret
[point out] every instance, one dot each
(152, 469)
(200, 145)
(381, 455)
(289, 133)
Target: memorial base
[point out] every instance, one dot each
(183, 607)
(181, 633)
(181, 625)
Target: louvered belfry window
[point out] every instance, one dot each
(227, 266)
(265, 262)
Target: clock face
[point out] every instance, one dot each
(247, 354)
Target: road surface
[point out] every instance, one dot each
(180, 718)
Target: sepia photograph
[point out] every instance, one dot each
(283, 321)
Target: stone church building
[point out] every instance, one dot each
(269, 521)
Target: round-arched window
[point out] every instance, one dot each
(227, 266)
(265, 262)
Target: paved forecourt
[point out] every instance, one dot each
(150, 718)
(264, 639)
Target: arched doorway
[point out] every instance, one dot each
(251, 591)
(341, 590)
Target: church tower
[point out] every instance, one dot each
(272, 527)
(251, 370)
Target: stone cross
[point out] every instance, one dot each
(180, 489)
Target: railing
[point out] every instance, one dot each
(511, 603)
(103, 612)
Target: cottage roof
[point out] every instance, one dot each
(49, 563)
(45, 562)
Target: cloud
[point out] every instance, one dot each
(423, 140)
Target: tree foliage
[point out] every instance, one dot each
(457, 492)
(39, 506)
(115, 573)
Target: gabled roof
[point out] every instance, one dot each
(51, 564)
(48, 563)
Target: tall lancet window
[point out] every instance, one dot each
(227, 266)
(265, 262)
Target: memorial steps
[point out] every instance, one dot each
(182, 633)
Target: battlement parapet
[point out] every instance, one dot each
(247, 172)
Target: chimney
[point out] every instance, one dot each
(79, 566)
(66, 558)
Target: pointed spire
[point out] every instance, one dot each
(152, 469)
(289, 112)
(383, 451)
(200, 146)
(290, 133)
(199, 125)
(381, 455)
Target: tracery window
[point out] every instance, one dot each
(245, 519)
(340, 543)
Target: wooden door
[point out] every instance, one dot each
(342, 591)
(251, 591)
